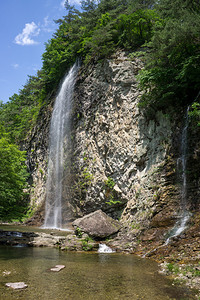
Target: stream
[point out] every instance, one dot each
(85, 276)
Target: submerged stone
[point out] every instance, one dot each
(57, 268)
(5, 273)
(97, 224)
(16, 285)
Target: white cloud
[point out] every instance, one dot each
(48, 26)
(15, 66)
(25, 38)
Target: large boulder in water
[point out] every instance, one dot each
(97, 224)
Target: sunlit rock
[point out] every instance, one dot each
(97, 224)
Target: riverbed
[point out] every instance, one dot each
(85, 276)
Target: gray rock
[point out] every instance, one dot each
(16, 285)
(97, 224)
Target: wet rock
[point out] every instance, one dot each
(57, 268)
(47, 240)
(151, 234)
(163, 219)
(17, 238)
(83, 243)
(16, 285)
(97, 224)
(36, 239)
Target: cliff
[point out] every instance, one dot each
(125, 152)
(123, 161)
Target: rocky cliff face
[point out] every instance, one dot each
(123, 159)
(123, 162)
(36, 146)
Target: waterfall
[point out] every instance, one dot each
(182, 161)
(59, 143)
(103, 248)
(184, 216)
(181, 224)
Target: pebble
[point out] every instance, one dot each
(5, 273)
(16, 285)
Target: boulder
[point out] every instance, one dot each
(97, 225)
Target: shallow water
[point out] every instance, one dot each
(90, 276)
(25, 228)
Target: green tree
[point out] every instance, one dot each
(136, 28)
(88, 5)
(19, 115)
(172, 73)
(13, 177)
(140, 4)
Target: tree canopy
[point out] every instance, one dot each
(171, 76)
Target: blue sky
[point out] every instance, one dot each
(25, 26)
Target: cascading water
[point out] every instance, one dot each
(103, 248)
(181, 224)
(184, 216)
(59, 142)
(182, 161)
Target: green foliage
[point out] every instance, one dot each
(78, 232)
(186, 270)
(94, 33)
(135, 29)
(86, 244)
(19, 115)
(173, 268)
(171, 76)
(193, 270)
(41, 171)
(110, 193)
(194, 112)
(12, 180)
(109, 183)
(177, 8)
(84, 180)
(112, 201)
